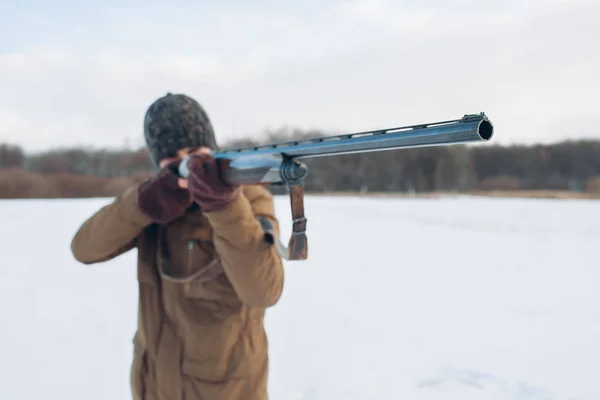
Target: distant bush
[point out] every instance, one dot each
(11, 156)
(593, 185)
(500, 183)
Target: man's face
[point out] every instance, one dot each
(180, 155)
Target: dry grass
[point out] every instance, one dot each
(16, 183)
(538, 194)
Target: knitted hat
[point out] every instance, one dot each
(173, 122)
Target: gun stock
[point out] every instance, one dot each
(279, 163)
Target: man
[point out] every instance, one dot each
(206, 273)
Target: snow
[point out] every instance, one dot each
(455, 298)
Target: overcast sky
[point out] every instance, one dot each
(78, 74)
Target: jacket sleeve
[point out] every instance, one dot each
(111, 231)
(251, 263)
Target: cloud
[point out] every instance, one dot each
(344, 66)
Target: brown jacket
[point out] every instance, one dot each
(202, 295)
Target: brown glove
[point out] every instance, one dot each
(161, 198)
(207, 189)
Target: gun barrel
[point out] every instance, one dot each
(471, 128)
(278, 163)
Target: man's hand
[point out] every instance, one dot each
(161, 198)
(204, 183)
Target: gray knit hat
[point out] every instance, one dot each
(173, 122)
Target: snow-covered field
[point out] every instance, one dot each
(454, 299)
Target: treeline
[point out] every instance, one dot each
(567, 166)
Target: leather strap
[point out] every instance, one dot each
(298, 244)
(297, 248)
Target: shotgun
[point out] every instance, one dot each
(279, 163)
